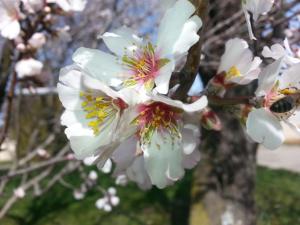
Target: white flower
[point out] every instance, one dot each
(9, 18)
(278, 51)
(140, 63)
(78, 195)
(20, 192)
(237, 66)
(33, 6)
(70, 5)
(101, 202)
(280, 104)
(256, 7)
(92, 114)
(37, 40)
(115, 200)
(112, 191)
(165, 139)
(28, 67)
(93, 175)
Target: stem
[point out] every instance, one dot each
(216, 100)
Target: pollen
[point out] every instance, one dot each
(157, 116)
(144, 66)
(98, 109)
(233, 72)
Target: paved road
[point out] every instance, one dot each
(287, 157)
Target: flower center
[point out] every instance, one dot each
(233, 72)
(100, 109)
(144, 65)
(157, 116)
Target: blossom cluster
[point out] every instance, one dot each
(28, 24)
(119, 107)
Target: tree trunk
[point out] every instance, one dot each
(224, 182)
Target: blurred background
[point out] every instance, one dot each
(42, 183)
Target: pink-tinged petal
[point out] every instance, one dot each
(264, 128)
(191, 160)
(163, 158)
(171, 26)
(124, 155)
(198, 105)
(138, 173)
(190, 138)
(122, 41)
(100, 65)
(268, 78)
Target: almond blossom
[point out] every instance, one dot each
(166, 143)
(9, 18)
(28, 67)
(92, 114)
(139, 63)
(280, 103)
(256, 7)
(37, 40)
(237, 66)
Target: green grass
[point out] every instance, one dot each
(278, 197)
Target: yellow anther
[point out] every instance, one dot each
(288, 91)
(233, 72)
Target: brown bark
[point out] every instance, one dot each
(224, 182)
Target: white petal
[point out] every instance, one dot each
(69, 97)
(83, 141)
(290, 78)
(265, 128)
(188, 36)
(234, 49)
(69, 118)
(198, 105)
(100, 65)
(163, 78)
(122, 41)
(190, 138)
(71, 76)
(268, 78)
(12, 30)
(163, 158)
(172, 24)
